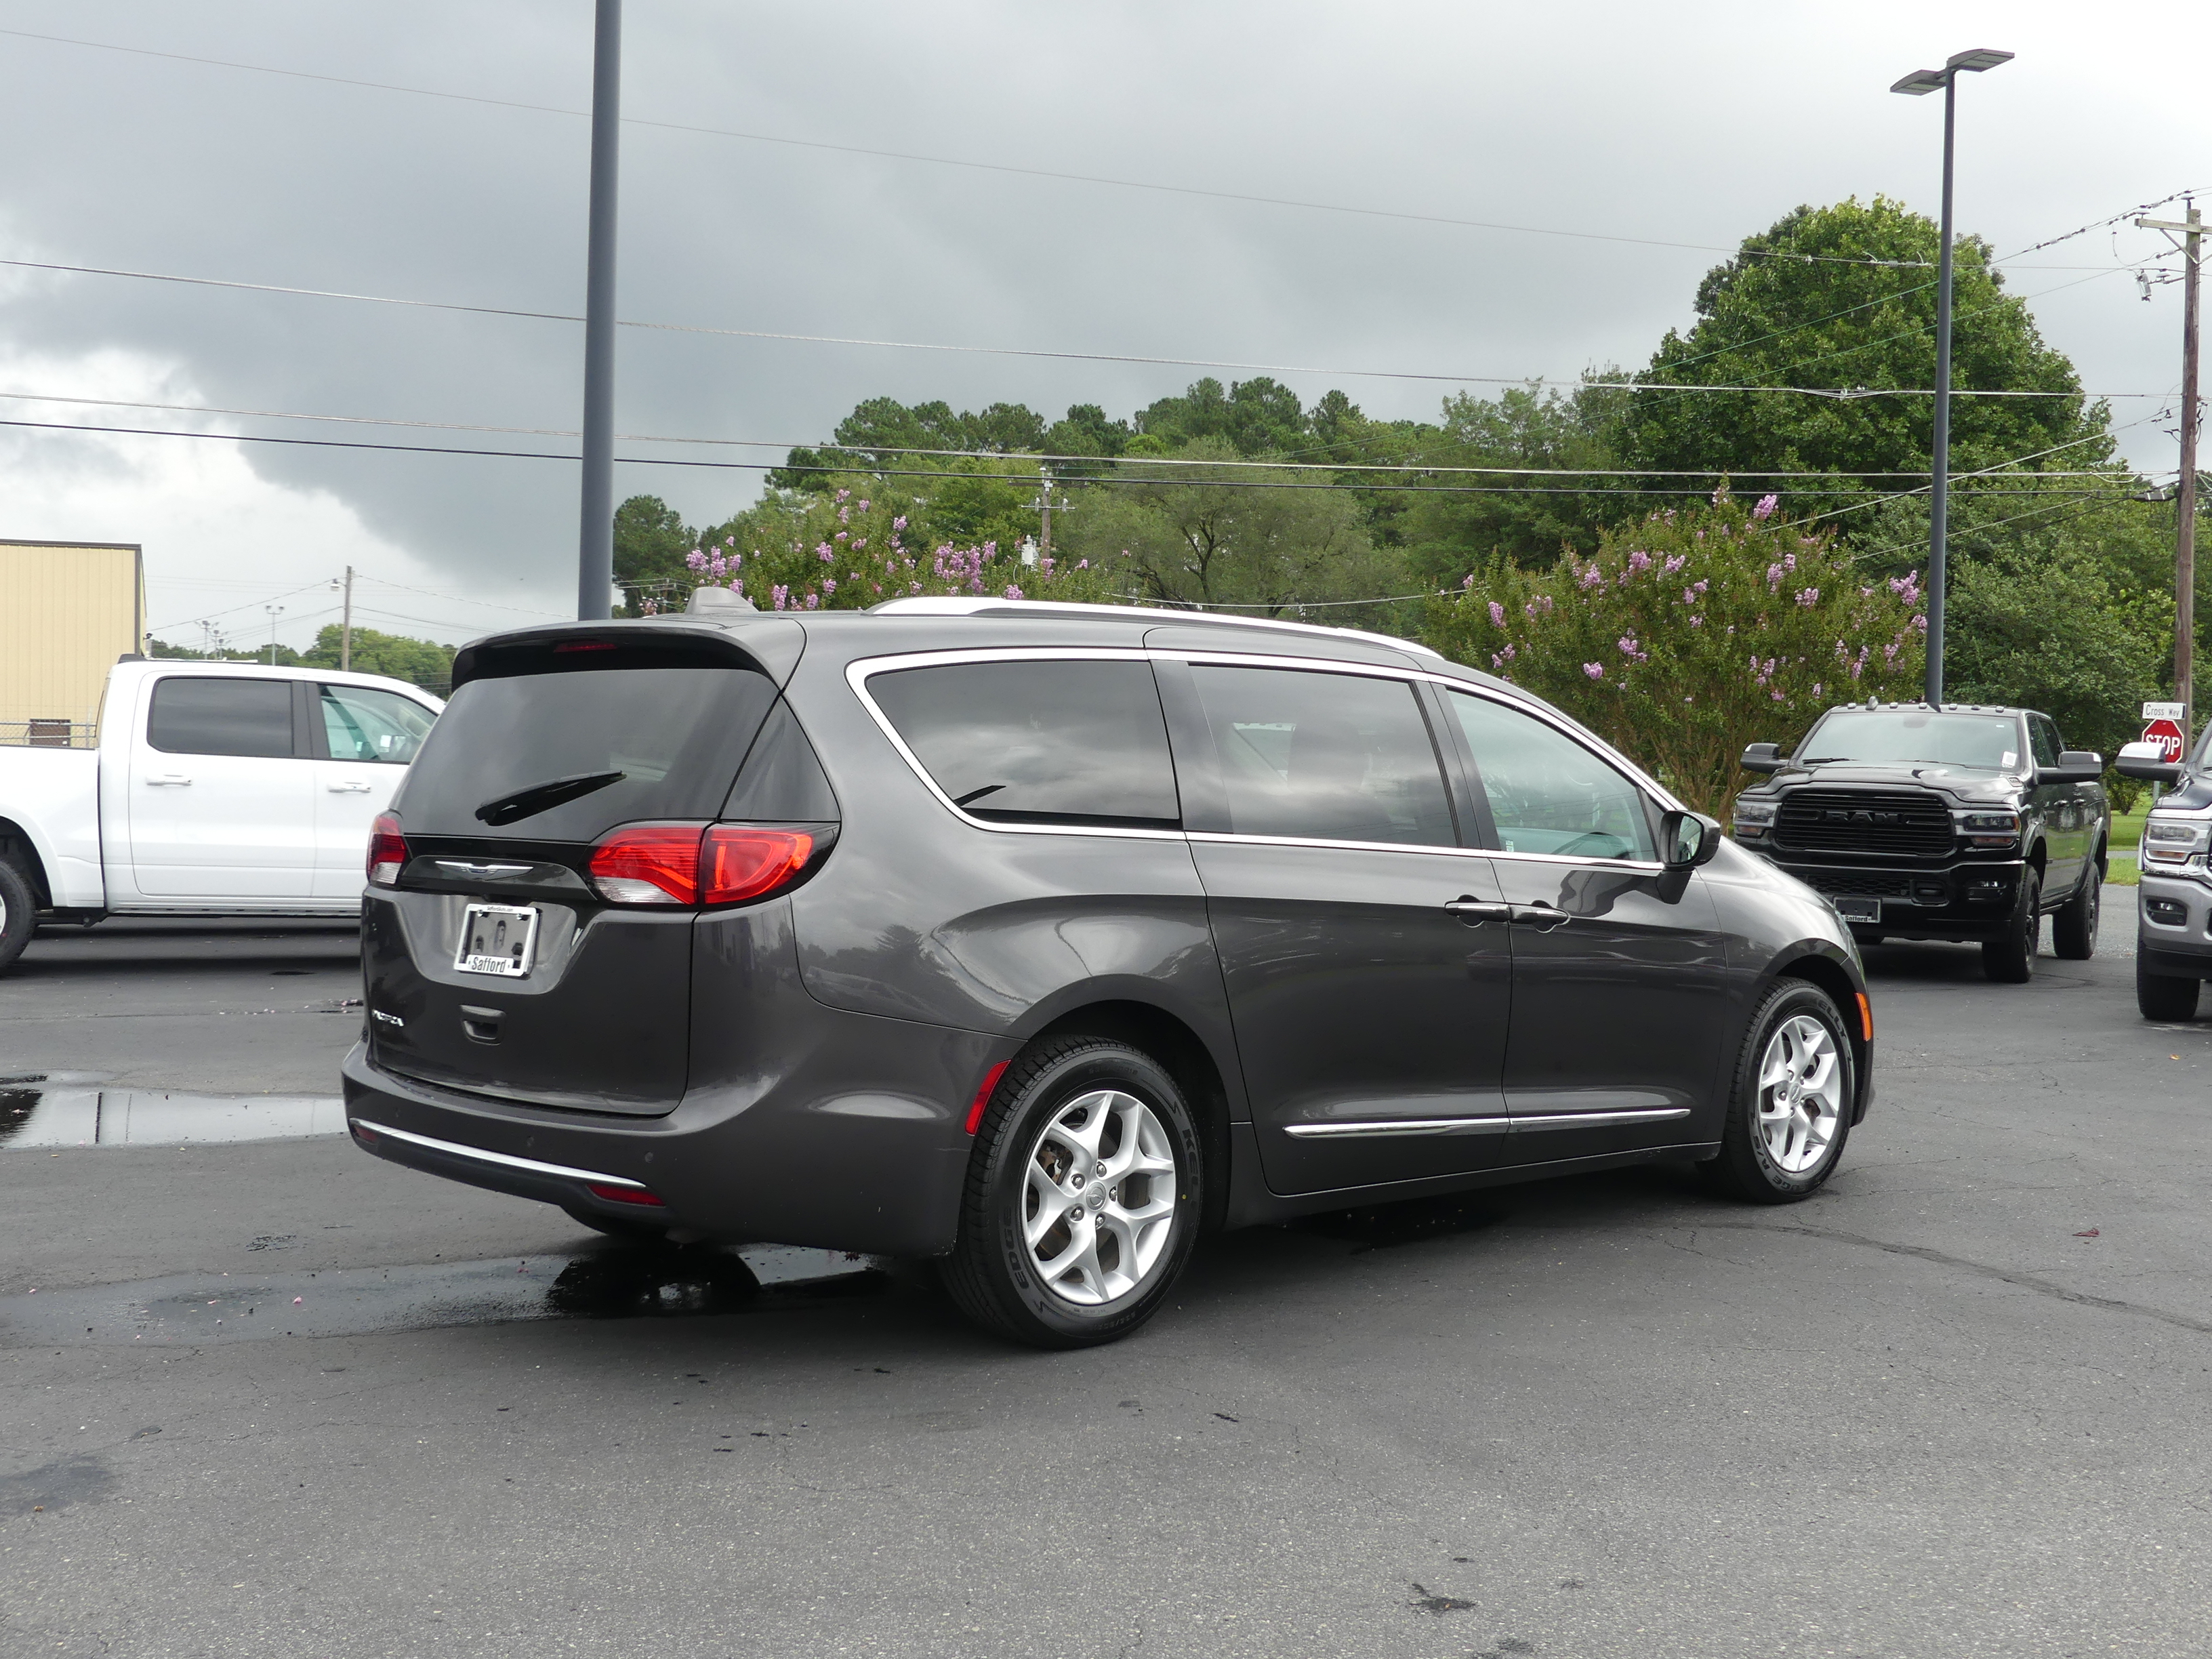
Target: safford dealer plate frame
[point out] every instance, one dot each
(498, 939)
(1857, 909)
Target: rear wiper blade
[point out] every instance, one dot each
(544, 797)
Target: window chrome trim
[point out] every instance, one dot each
(453, 1148)
(1493, 1124)
(861, 670)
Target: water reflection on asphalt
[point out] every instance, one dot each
(613, 1281)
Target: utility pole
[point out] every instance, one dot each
(2192, 232)
(345, 628)
(1917, 84)
(595, 553)
(1044, 513)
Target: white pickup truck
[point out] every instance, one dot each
(216, 789)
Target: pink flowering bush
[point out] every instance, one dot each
(1690, 633)
(847, 552)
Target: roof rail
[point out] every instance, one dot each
(957, 605)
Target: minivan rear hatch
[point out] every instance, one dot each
(494, 964)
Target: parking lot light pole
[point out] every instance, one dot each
(1917, 84)
(595, 552)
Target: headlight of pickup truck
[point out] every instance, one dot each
(1983, 828)
(1753, 818)
(2175, 843)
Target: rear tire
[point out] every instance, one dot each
(2074, 929)
(19, 913)
(2011, 960)
(1082, 1197)
(1790, 1111)
(2165, 998)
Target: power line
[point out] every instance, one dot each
(1016, 457)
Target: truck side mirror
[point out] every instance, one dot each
(2075, 766)
(2147, 761)
(1687, 840)
(1763, 757)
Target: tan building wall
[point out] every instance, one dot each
(67, 611)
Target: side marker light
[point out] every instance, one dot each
(1866, 1017)
(983, 1096)
(624, 1194)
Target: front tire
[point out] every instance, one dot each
(2011, 960)
(1082, 1197)
(1796, 1082)
(2074, 929)
(2167, 997)
(19, 913)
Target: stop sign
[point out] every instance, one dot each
(2167, 734)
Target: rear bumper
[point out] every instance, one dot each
(831, 1154)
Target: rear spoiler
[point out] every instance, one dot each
(763, 644)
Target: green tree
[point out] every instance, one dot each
(425, 663)
(651, 542)
(1267, 542)
(1857, 310)
(1690, 634)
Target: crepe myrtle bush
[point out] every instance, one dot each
(1692, 633)
(851, 550)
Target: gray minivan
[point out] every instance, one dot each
(1040, 939)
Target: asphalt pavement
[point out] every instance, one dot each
(1956, 1404)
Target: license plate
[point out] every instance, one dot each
(497, 938)
(1858, 909)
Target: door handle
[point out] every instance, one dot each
(1474, 911)
(349, 788)
(167, 780)
(1541, 917)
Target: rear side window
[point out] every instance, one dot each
(207, 716)
(1080, 742)
(1325, 756)
(361, 723)
(567, 756)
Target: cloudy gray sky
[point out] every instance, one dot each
(1685, 124)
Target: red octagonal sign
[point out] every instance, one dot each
(2167, 734)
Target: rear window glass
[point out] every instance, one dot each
(209, 716)
(1081, 743)
(567, 756)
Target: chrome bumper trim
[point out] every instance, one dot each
(505, 1160)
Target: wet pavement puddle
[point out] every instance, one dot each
(49, 1110)
(615, 1281)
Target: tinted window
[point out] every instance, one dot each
(674, 736)
(782, 781)
(196, 716)
(2044, 737)
(1039, 742)
(1988, 742)
(1325, 756)
(1546, 793)
(362, 723)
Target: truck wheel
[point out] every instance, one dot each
(2011, 960)
(19, 913)
(1790, 1109)
(1082, 1199)
(2164, 997)
(2074, 929)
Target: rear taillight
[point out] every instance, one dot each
(649, 864)
(614, 1195)
(689, 864)
(388, 850)
(737, 862)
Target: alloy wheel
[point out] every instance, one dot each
(1801, 1093)
(1098, 1199)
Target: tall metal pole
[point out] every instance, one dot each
(595, 555)
(345, 628)
(1939, 511)
(2184, 528)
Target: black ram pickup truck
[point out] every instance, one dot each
(1939, 823)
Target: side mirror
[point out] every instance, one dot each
(1763, 757)
(2147, 761)
(1687, 840)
